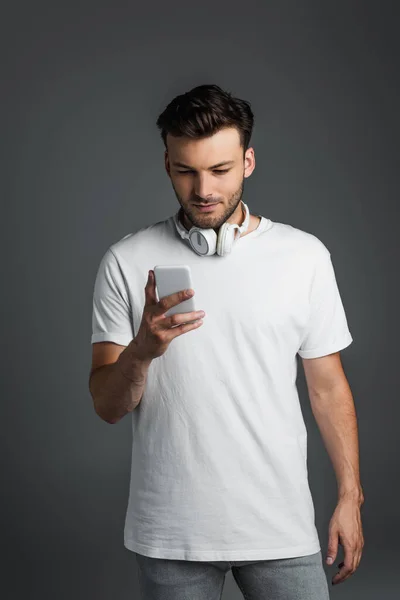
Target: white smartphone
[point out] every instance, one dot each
(171, 279)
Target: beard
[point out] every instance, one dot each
(210, 220)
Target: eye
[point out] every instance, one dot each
(215, 171)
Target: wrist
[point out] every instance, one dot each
(132, 365)
(355, 495)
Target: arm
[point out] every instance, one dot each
(119, 372)
(334, 411)
(117, 380)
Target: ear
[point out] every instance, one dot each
(249, 162)
(166, 162)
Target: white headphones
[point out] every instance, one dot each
(206, 242)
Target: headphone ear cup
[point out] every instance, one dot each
(203, 241)
(226, 235)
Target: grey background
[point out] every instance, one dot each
(82, 166)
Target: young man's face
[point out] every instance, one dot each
(196, 178)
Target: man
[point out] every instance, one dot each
(219, 454)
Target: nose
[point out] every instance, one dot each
(203, 188)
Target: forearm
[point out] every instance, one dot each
(335, 414)
(117, 388)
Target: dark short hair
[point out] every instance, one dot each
(203, 111)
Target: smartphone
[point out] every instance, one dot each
(171, 279)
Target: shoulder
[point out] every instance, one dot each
(303, 243)
(139, 242)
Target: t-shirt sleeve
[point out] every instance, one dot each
(112, 314)
(327, 329)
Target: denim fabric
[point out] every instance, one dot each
(299, 578)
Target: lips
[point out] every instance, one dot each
(206, 208)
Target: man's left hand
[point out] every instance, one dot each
(345, 528)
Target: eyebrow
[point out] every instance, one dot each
(226, 162)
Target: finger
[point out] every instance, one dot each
(357, 554)
(165, 303)
(359, 547)
(358, 558)
(356, 561)
(183, 328)
(345, 567)
(332, 547)
(361, 550)
(150, 289)
(179, 318)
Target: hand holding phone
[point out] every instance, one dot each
(157, 330)
(171, 279)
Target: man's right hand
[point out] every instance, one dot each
(156, 331)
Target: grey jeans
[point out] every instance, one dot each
(300, 578)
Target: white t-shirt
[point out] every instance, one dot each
(219, 446)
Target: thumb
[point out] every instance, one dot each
(149, 289)
(332, 547)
